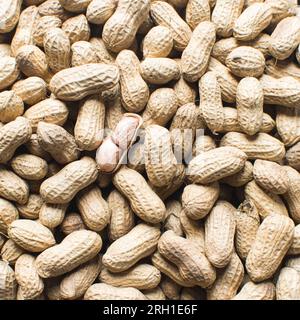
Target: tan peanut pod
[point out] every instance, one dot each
(226, 80)
(77, 28)
(12, 135)
(63, 186)
(142, 276)
(58, 142)
(53, 8)
(256, 291)
(292, 156)
(122, 217)
(195, 57)
(9, 72)
(198, 200)
(13, 187)
(104, 56)
(164, 14)
(146, 25)
(292, 195)
(172, 218)
(102, 291)
(134, 90)
(270, 176)
(183, 130)
(285, 38)
(30, 235)
(202, 144)
(75, 249)
(295, 246)
(76, 83)
(282, 9)
(247, 223)
(288, 125)
(9, 15)
(75, 284)
(197, 11)
(29, 166)
(273, 239)
(252, 21)
(231, 121)
(284, 91)
(170, 288)
(11, 106)
(24, 31)
(211, 102)
(154, 294)
(192, 265)
(136, 157)
(8, 289)
(246, 61)
(240, 178)
(161, 107)
(248, 3)
(75, 5)
(53, 288)
(31, 90)
(284, 68)
(57, 49)
(50, 110)
(8, 213)
(159, 70)
(157, 43)
(89, 126)
(222, 162)
(225, 14)
(30, 283)
(42, 25)
(32, 62)
(35, 149)
(93, 208)
(52, 215)
(228, 280)
(83, 53)
(265, 201)
(99, 11)
(72, 222)
(169, 269)
(288, 285)
(32, 208)
(138, 243)
(160, 161)
(223, 47)
(5, 50)
(21, 297)
(144, 202)
(219, 234)
(250, 100)
(262, 146)
(10, 252)
(120, 29)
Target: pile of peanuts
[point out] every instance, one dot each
(149, 150)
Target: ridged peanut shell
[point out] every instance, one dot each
(8, 290)
(288, 285)
(144, 202)
(9, 72)
(138, 243)
(77, 28)
(273, 239)
(10, 252)
(197, 11)
(30, 283)
(261, 146)
(63, 186)
(219, 234)
(11, 106)
(142, 276)
(99, 11)
(259, 291)
(42, 25)
(72, 222)
(52, 215)
(216, 164)
(295, 246)
(292, 156)
(9, 15)
(75, 83)
(75, 249)
(32, 208)
(8, 213)
(31, 235)
(83, 52)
